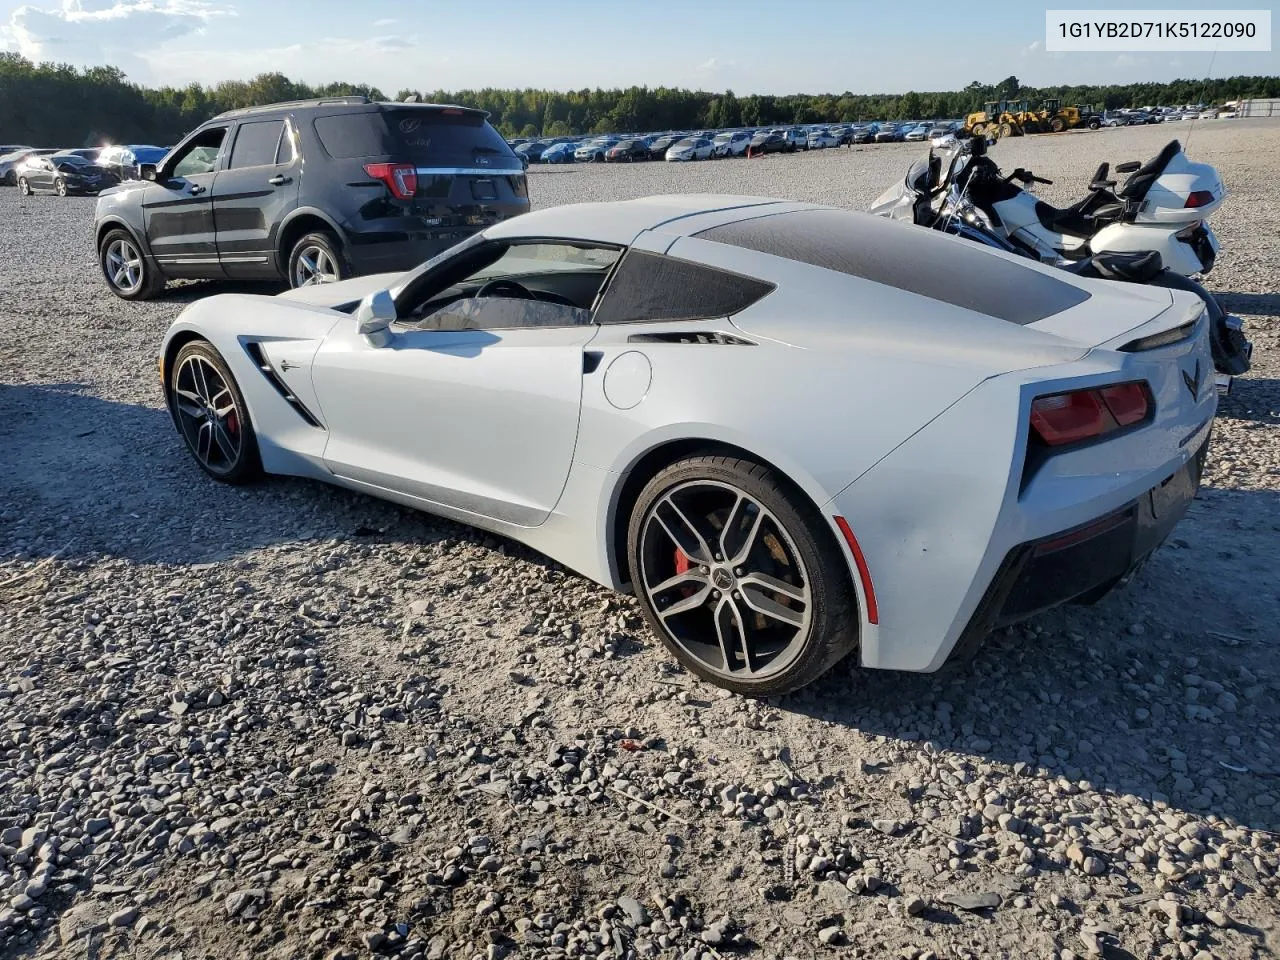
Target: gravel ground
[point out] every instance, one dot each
(288, 721)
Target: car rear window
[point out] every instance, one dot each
(421, 136)
(924, 262)
(650, 286)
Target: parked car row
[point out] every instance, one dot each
(77, 170)
(1145, 115)
(712, 144)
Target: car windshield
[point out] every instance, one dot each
(72, 158)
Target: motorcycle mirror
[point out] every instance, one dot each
(1129, 166)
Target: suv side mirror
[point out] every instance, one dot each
(375, 314)
(148, 171)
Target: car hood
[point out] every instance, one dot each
(125, 186)
(342, 292)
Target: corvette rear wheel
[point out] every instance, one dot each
(739, 577)
(211, 414)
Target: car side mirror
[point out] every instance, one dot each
(374, 316)
(524, 160)
(148, 171)
(1129, 166)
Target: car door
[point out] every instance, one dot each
(254, 192)
(41, 175)
(178, 209)
(473, 407)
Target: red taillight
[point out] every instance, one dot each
(1127, 402)
(1069, 417)
(1199, 198)
(401, 178)
(1065, 418)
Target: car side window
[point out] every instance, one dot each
(505, 286)
(200, 155)
(256, 144)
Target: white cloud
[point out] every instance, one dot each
(713, 65)
(1033, 46)
(88, 32)
(386, 22)
(316, 61)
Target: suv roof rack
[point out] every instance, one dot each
(285, 104)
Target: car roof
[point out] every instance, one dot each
(621, 221)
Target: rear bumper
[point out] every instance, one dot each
(1084, 563)
(395, 244)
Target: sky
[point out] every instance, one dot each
(748, 46)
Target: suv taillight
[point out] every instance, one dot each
(401, 178)
(1065, 418)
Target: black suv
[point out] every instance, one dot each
(311, 192)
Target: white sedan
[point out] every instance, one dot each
(820, 139)
(691, 148)
(792, 441)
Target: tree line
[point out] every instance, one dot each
(61, 105)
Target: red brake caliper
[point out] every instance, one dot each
(233, 424)
(683, 563)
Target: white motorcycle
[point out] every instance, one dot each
(936, 195)
(1161, 207)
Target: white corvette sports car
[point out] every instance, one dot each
(795, 432)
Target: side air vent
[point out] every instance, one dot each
(719, 339)
(254, 349)
(1162, 339)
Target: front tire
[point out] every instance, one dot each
(317, 258)
(739, 576)
(23, 187)
(60, 187)
(127, 272)
(211, 415)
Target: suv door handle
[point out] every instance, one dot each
(279, 179)
(195, 188)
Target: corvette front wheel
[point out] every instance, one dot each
(210, 413)
(739, 576)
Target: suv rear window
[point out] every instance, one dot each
(422, 136)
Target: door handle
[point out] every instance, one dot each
(279, 179)
(196, 188)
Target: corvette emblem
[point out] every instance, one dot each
(1193, 381)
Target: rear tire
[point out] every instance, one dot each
(317, 258)
(772, 607)
(127, 271)
(1094, 124)
(1057, 125)
(211, 415)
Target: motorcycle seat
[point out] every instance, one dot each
(1140, 181)
(1132, 267)
(1072, 221)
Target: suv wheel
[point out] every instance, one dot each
(316, 258)
(126, 270)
